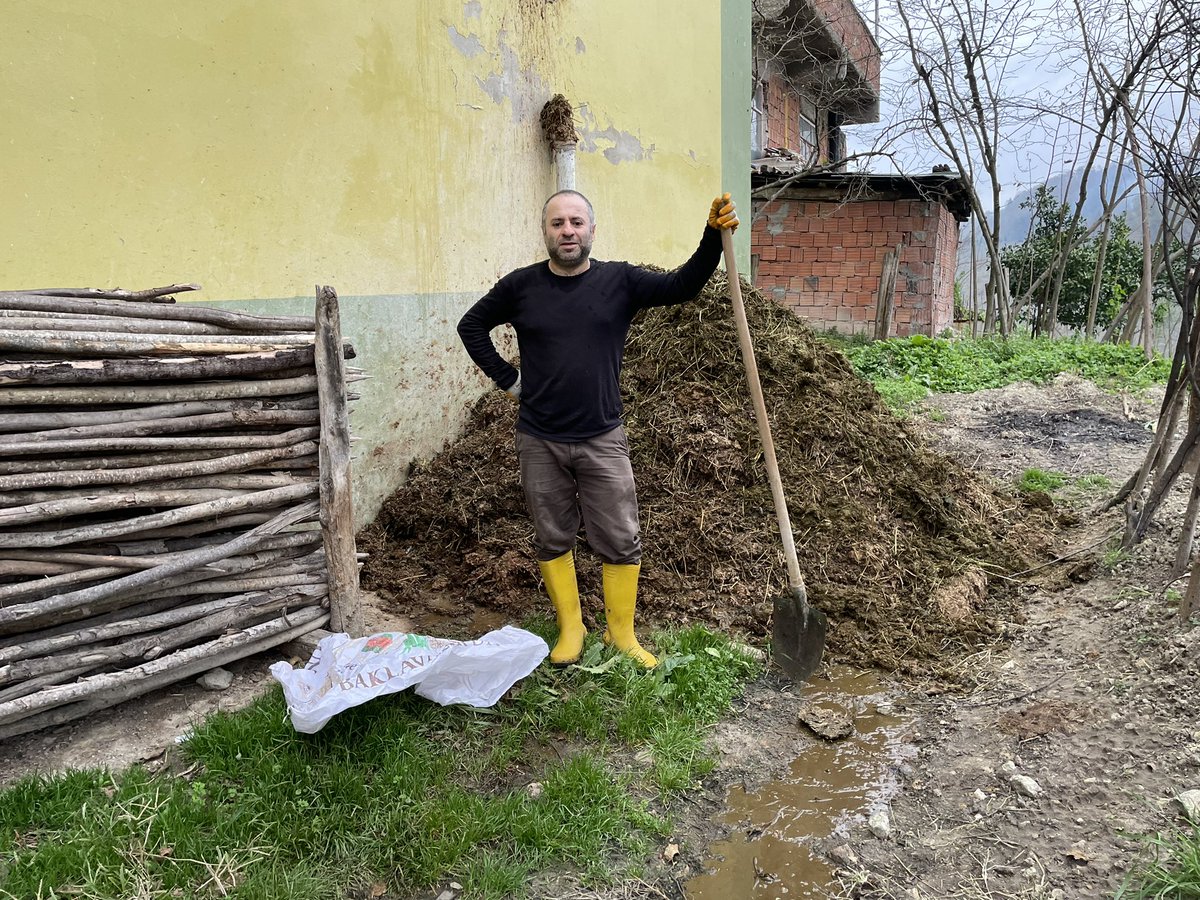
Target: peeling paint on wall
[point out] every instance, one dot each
(472, 10)
(624, 146)
(580, 46)
(522, 87)
(468, 45)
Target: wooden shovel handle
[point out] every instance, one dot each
(760, 413)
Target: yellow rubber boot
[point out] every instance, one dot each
(620, 600)
(559, 575)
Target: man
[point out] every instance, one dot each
(571, 314)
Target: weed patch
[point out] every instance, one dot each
(969, 365)
(1112, 558)
(1039, 480)
(1172, 871)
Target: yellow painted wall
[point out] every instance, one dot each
(390, 149)
(384, 147)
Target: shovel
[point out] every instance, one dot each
(797, 629)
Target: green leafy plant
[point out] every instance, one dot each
(1112, 558)
(1050, 231)
(962, 312)
(1093, 482)
(901, 394)
(974, 364)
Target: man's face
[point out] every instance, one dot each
(568, 230)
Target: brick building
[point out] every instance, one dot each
(818, 246)
(820, 234)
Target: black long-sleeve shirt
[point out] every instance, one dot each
(571, 334)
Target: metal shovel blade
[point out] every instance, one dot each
(797, 635)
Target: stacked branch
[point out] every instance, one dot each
(162, 492)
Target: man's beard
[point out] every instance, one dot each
(581, 253)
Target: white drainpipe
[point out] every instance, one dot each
(564, 164)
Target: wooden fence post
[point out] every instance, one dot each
(337, 509)
(885, 300)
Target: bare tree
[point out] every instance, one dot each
(963, 56)
(1128, 50)
(975, 103)
(1108, 197)
(1168, 141)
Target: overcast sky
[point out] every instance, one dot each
(1032, 150)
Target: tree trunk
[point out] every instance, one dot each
(151, 427)
(208, 511)
(242, 322)
(1187, 534)
(222, 364)
(188, 468)
(44, 421)
(217, 390)
(150, 295)
(215, 442)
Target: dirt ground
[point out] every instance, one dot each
(1090, 694)
(1094, 699)
(1087, 687)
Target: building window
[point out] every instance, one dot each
(808, 139)
(836, 142)
(758, 121)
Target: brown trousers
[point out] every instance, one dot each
(589, 481)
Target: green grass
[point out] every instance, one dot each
(1040, 480)
(1093, 483)
(1172, 871)
(903, 367)
(1112, 558)
(901, 394)
(398, 792)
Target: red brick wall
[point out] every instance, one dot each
(824, 260)
(947, 265)
(852, 31)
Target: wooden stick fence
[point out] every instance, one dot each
(174, 492)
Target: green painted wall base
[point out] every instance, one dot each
(420, 384)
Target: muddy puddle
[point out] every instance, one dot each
(834, 785)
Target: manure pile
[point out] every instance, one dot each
(892, 538)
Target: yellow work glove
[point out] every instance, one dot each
(723, 214)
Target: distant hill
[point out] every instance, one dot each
(1015, 220)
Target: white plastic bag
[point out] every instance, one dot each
(344, 671)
